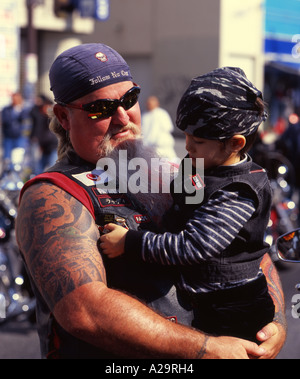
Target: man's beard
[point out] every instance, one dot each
(156, 203)
(106, 147)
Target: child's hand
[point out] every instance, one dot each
(112, 243)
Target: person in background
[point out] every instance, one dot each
(157, 128)
(15, 125)
(41, 134)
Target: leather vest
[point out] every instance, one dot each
(242, 258)
(150, 283)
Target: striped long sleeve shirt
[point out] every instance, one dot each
(213, 227)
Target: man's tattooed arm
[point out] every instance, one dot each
(276, 331)
(275, 289)
(58, 238)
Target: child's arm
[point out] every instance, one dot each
(113, 242)
(206, 234)
(209, 231)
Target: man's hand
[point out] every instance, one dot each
(232, 348)
(272, 337)
(113, 243)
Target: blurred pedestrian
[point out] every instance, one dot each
(157, 128)
(41, 134)
(15, 125)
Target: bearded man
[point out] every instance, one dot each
(87, 307)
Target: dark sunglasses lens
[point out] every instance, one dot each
(101, 108)
(130, 99)
(107, 108)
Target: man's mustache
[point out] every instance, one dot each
(106, 147)
(117, 129)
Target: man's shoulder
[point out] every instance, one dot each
(44, 185)
(39, 188)
(58, 187)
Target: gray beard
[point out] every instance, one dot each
(158, 203)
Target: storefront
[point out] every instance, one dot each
(282, 61)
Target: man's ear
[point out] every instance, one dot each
(237, 143)
(62, 115)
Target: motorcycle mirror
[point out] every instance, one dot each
(288, 246)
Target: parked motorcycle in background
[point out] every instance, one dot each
(288, 251)
(16, 299)
(284, 209)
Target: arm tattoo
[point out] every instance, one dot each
(275, 289)
(58, 238)
(202, 351)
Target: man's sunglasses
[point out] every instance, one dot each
(104, 108)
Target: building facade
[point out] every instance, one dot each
(166, 42)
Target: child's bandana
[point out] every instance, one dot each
(220, 104)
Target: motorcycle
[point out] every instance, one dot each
(288, 251)
(284, 209)
(16, 298)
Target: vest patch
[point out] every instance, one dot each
(92, 178)
(172, 319)
(112, 200)
(112, 218)
(197, 182)
(141, 219)
(255, 171)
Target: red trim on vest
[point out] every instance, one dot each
(65, 183)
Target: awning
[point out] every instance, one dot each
(283, 55)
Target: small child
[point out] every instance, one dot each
(220, 243)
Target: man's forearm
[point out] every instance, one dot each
(275, 289)
(127, 328)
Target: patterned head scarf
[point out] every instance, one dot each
(220, 104)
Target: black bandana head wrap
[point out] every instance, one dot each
(220, 104)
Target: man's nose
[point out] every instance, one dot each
(120, 117)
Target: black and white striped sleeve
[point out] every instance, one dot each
(211, 230)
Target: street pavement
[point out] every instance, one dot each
(19, 340)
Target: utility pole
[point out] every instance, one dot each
(31, 32)
(31, 60)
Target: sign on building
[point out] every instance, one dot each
(98, 9)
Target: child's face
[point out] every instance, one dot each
(215, 153)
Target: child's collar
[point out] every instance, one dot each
(243, 160)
